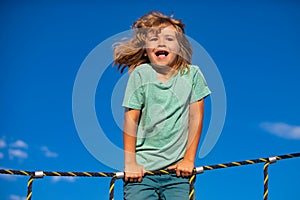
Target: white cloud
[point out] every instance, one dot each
(16, 197)
(48, 153)
(19, 144)
(282, 129)
(69, 179)
(17, 153)
(15, 150)
(2, 143)
(8, 177)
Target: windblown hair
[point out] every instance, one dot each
(131, 53)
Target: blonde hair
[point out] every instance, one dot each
(131, 53)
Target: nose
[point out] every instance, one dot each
(161, 42)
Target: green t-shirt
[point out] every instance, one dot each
(163, 127)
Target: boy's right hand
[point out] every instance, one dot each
(134, 172)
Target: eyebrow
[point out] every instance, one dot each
(166, 35)
(151, 34)
(169, 35)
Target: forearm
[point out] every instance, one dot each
(133, 171)
(195, 129)
(129, 148)
(131, 118)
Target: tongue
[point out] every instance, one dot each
(161, 56)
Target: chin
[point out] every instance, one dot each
(161, 64)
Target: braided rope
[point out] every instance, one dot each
(29, 188)
(266, 180)
(192, 188)
(112, 187)
(119, 175)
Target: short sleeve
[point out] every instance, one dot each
(199, 86)
(134, 94)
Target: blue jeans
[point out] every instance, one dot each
(158, 187)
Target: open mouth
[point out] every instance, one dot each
(161, 53)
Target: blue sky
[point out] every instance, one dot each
(254, 44)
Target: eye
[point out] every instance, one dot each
(170, 39)
(153, 39)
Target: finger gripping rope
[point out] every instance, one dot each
(120, 175)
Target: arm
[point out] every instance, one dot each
(186, 166)
(133, 171)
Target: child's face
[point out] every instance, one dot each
(162, 48)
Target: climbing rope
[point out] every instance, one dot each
(29, 187)
(120, 175)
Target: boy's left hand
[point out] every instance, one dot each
(183, 168)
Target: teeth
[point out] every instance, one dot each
(159, 53)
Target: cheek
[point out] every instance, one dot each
(149, 52)
(150, 45)
(151, 56)
(175, 48)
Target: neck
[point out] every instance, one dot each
(163, 70)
